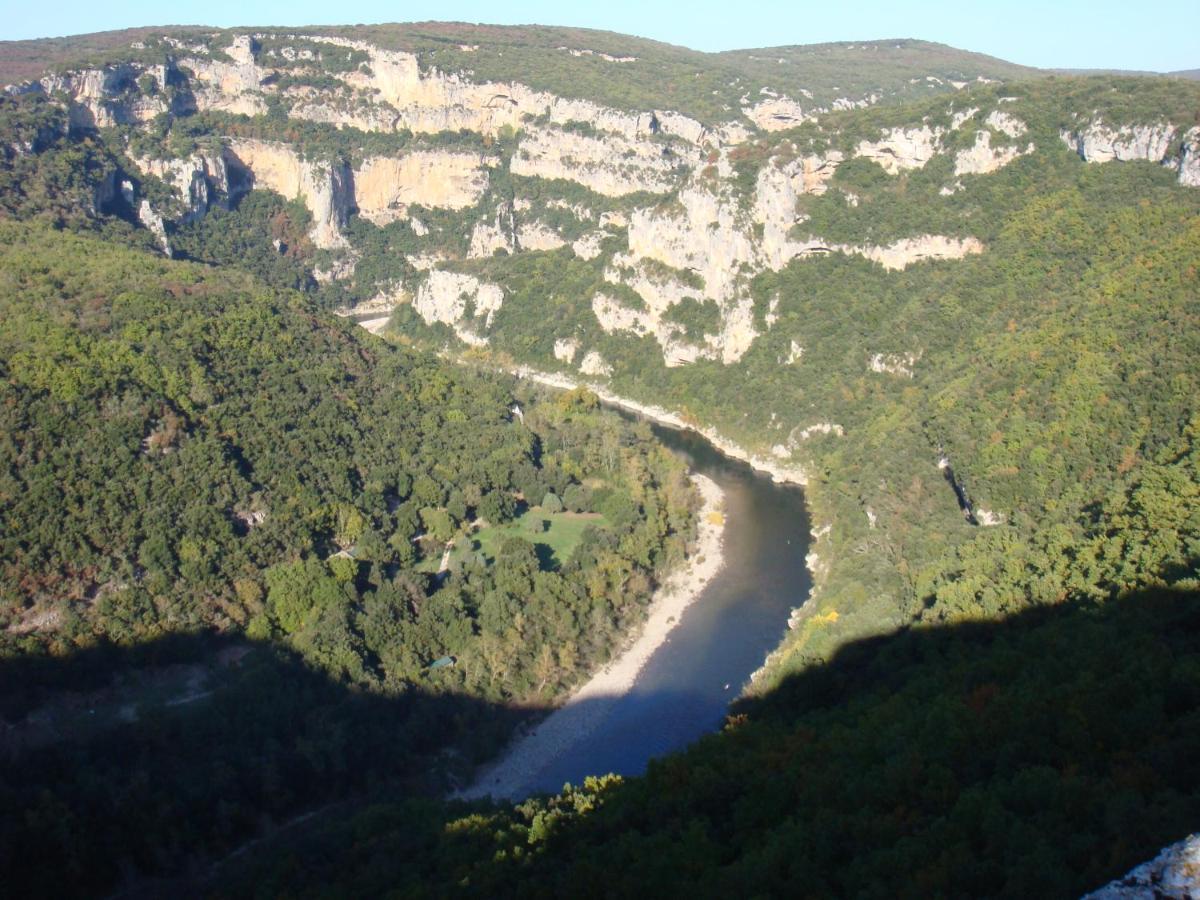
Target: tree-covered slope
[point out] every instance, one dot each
(201, 471)
(1039, 756)
(969, 318)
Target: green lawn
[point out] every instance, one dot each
(554, 545)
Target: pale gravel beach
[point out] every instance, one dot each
(783, 474)
(514, 775)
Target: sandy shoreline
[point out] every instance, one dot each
(772, 467)
(513, 776)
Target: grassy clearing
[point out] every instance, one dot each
(555, 541)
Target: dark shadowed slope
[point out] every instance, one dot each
(1038, 756)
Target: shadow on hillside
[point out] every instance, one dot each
(122, 765)
(1038, 756)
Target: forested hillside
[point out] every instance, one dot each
(188, 452)
(960, 299)
(1037, 756)
(614, 69)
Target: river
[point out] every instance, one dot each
(685, 687)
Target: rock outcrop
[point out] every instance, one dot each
(894, 363)
(593, 364)
(700, 233)
(903, 253)
(1098, 142)
(390, 296)
(1004, 123)
(1189, 159)
(199, 180)
(499, 234)
(232, 87)
(153, 222)
(612, 165)
(1172, 875)
(104, 97)
(565, 350)
(460, 301)
(776, 114)
(902, 148)
(983, 158)
(659, 291)
(385, 187)
(538, 236)
(431, 101)
(588, 246)
(326, 187)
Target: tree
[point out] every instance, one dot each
(578, 498)
(438, 523)
(497, 507)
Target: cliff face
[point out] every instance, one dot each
(325, 187)
(902, 148)
(612, 164)
(458, 300)
(385, 187)
(662, 206)
(1099, 142)
(199, 180)
(103, 98)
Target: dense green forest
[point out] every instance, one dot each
(188, 452)
(1030, 757)
(263, 575)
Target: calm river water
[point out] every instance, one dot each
(684, 689)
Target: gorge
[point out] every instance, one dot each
(264, 566)
(682, 690)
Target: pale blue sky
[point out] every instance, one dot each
(1161, 35)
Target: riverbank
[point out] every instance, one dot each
(778, 472)
(514, 775)
(773, 467)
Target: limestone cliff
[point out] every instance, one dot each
(326, 187)
(431, 101)
(385, 187)
(233, 87)
(109, 96)
(903, 253)
(983, 158)
(1189, 158)
(611, 164)
(459, 301)
(1098, 142)
(199, 180)
(712, 226)
(902, 148)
